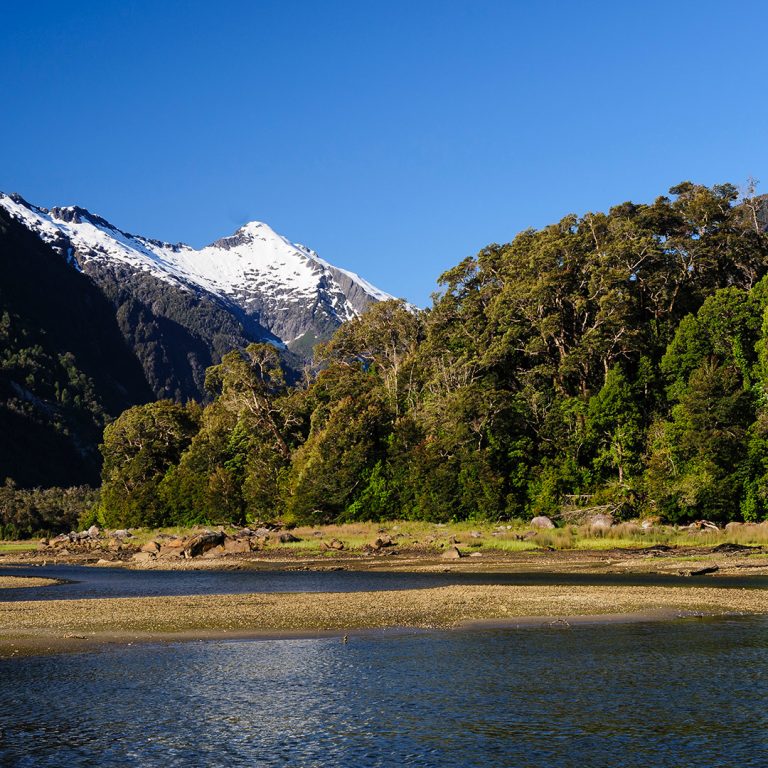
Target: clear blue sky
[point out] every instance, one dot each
(394, 138)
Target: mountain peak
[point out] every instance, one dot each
(245, 234)
(252, 227)
(256, 272)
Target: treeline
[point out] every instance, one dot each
(623, 356)
(42, 511)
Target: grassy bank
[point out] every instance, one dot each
(507, 537)
(17, 546)
(514, 536)
(406, 536)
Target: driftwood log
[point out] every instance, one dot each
(701, 571)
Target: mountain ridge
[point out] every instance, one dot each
(181, 308)
(255, 270)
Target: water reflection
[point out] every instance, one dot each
(688, 693)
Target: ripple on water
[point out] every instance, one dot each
(689, 693)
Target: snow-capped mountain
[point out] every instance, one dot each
(284, 287)
(180, 309)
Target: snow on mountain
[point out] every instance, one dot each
(284, 286)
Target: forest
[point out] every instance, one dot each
(616, 357)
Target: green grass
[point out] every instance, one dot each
(17, 546)
(505, 545)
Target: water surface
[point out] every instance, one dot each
(89, 582)
(686, 693)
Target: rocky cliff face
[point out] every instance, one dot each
(181, 308)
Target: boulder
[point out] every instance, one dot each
(94, 531)
(216, 551)
(452, 553)
(200, 544)
(237, 546)
(287, 538)
(122, 533)
(382, 542)
(262, 533)
(143, 557)
(542, 521)
(600, 522)
(334, 544)
(153, 547)
(733, 526)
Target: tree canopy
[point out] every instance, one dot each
(618, 355)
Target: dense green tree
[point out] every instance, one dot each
(620, 356)
(615, 426)
(698, 457)
(139, 448)
(333, 467)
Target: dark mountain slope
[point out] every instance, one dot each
(175, 334)
(65, 368)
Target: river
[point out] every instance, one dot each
(683, 693)
(82, 582)
(689, 692)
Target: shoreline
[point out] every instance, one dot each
(54, 626)
(676, 560)
(49, 644)
(19, 582)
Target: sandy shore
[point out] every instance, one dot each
(56, 625)
(14, 582)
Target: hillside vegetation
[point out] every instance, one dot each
(64, 367)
